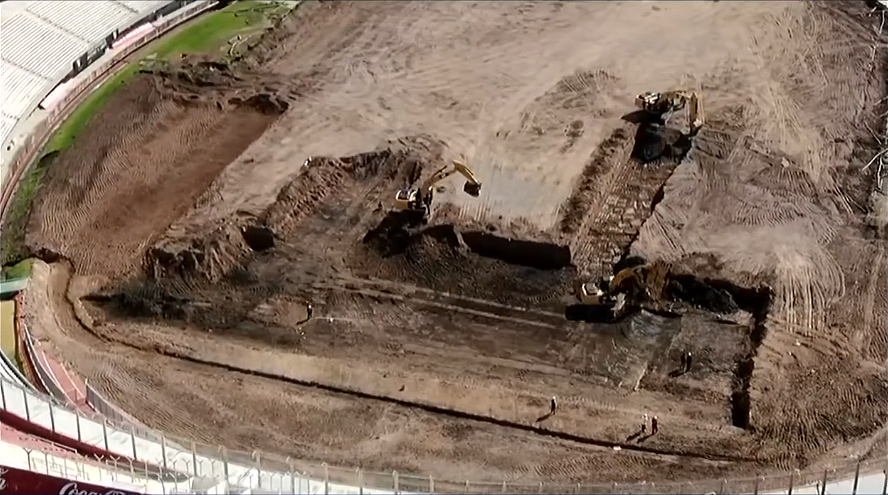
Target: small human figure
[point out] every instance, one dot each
(688, 362)
(655, 425)
(684, 361)
(308, 310)
(644, 423)
(553, 404)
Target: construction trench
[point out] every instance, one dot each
(458, 330)
(502, 264)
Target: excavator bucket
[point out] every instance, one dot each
(472, 189)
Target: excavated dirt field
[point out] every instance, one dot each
(197, 217)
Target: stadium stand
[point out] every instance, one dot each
(18, 88)
(7, 123)
(38, 47)
(27, 452)
(143, 6)
(19, 438)
(81, 19)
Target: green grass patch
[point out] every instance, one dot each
(12, 244)
(65, 135)
(211, 32)
(18, 270)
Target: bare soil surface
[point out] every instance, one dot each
(210, 204)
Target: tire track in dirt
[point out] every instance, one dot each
(429, 408)
(108, 366)
(808, 279)
(107, 186)
(450, 302)
(606, 170)
(538, 134)
(862, 336)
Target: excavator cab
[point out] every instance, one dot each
(652, 102)
(596, 293)
(404, 197)
(669, 102)
(591, 294)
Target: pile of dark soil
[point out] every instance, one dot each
(471, 263)
(320, 180)
(654, 141)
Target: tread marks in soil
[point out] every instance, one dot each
(615, 195)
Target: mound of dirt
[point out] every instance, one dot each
(321, 179)
(654, 141)
(578, 204)
(471, 263)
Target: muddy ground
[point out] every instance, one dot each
(196, 220)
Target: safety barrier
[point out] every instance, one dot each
(286, 475)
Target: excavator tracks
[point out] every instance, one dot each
(622, 204)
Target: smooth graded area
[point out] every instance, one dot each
(436, 352)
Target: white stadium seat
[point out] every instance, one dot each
(142, 6)
(6, 125)
(20, 88)
(89, 21)
(38, 47)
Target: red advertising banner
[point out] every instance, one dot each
(22, 482)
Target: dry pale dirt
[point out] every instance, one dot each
(188, 236)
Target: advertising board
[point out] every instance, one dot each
(15, 481)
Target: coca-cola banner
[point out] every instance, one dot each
(22, 482)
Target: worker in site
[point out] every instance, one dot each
(644, 423)
(308, 311)
(687, 362)
(655, 425)
(553, 404)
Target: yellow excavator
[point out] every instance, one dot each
(419, 200)
(627, 288)
(665, 104)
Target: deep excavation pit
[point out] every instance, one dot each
(714, 295)
(215, 277)
(321, 180)
(472, 263)
(723, 296)
(538, 255)
(258, 238)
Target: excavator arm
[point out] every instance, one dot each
(472, 186)
(420, 199)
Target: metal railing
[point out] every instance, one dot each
(166, 460)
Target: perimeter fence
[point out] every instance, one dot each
(144, 453)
